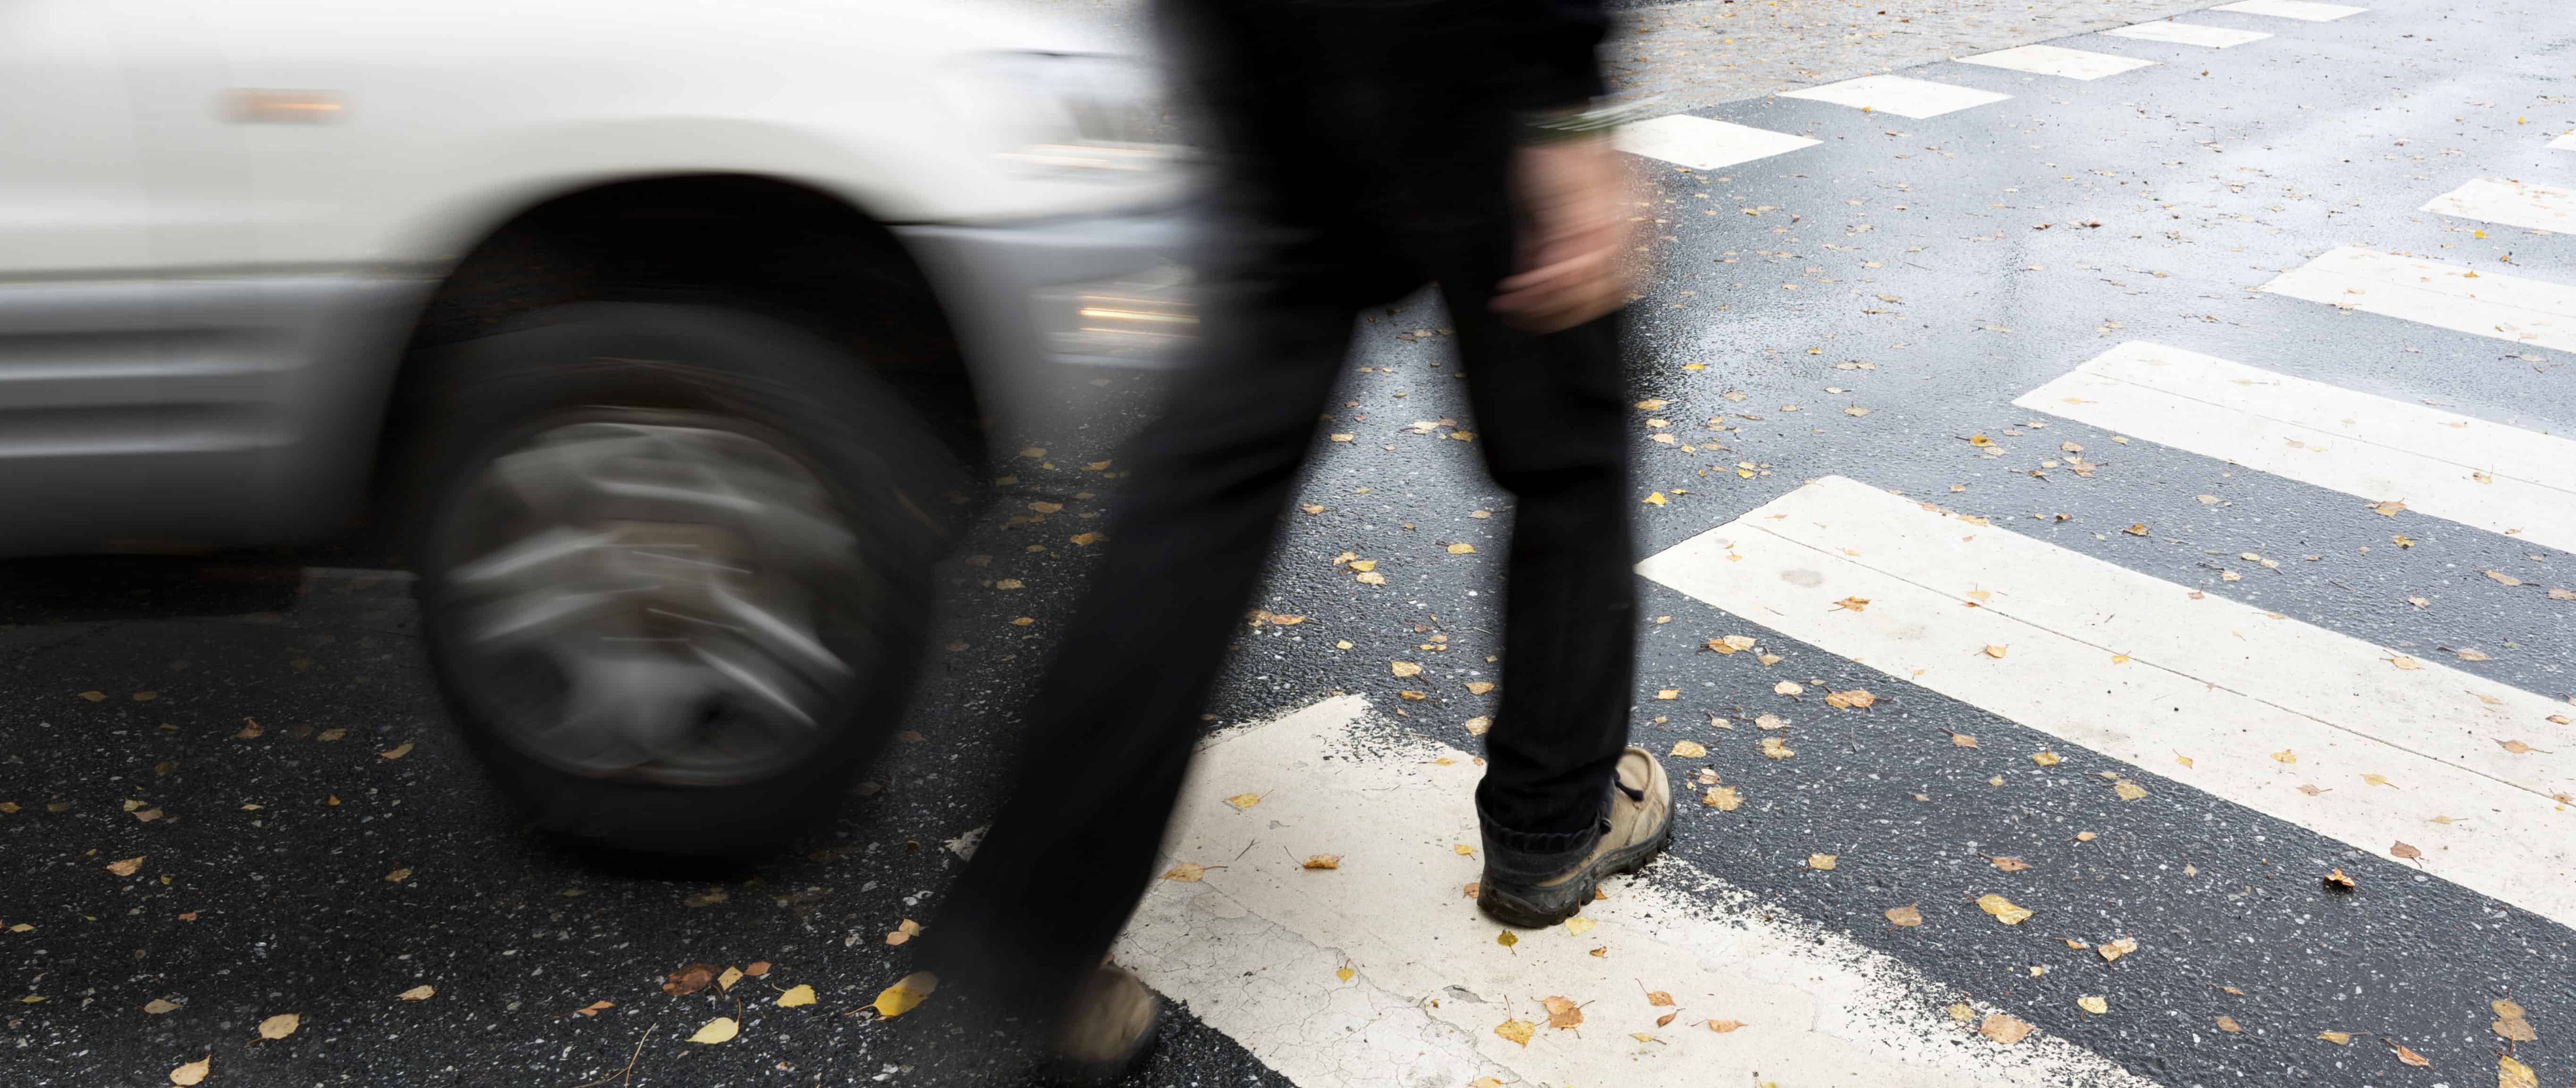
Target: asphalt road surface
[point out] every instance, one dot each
(2121, 481)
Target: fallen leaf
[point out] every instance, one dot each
(422, 992)
(2338, 1038)
(1689, 749)
(2009, 864)
(903, 933)
(793, 996)
(2045, 759)
(720, 1029)
(2111, 951)
(2003, 909)
(1244, 800)
(2139, 529)
(594, 1008)
(689, 979)
(1721, 798)
(1517, 1031)
(127, 866)
(2285, 756)
(2336, 879)
(1562, 1012)
(906, 994)
(2094, 1005)
(1961, 1012)
(1187, 872)
(2500, 576)
(1404, 668)
(1476, 727)
(331, 734)
(1853, 604)
(2003, 1029)
(192, 1072)
(1906, 916)
(1462, 549)
(1668, 694)
(157, 1006)
(280, 1026)
(2514, 1074)
(1506, 938)
(2127, 790)
(1321, 861)
(1855, 699)
(2228, 1024)
(1962, 740)
(1479, 687)
(1730, 643)
(1776, 749)
(2401, 850)
(1786, 687)
(1345, 974)
(2473, 654)
(2409, 1057)
(2513, 1026)
(1994, 651)
(1820, 861)
(1369, 578)
(396, 752)
(1723, 1026)
(725, 981)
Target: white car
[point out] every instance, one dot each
(661, 335)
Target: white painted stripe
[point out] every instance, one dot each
(2166, 30)
(1702, 143)
(1915, 98)
(2153, 673)
(2565, 142)
(2525, 311)
(2050, 60)
(2488, 475)
(1254, 948)
(2306, 10)
(2512, 203)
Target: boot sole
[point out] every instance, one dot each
(1537, 906)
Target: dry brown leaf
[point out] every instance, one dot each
(280, 1026)
(2514, 1074)
(2003, 1029)
(2009, 864)
(1962, 740)
(689, 979)
(2127, 790)
(2401, 850)
(1855, 699)
(2502, 577)
(2338, 1038)
(594, 1008)
(2095, 1005)
(2409, 1057)
(127, 866)
(157, 1006)
(2514, 746)
(192, 1072)
(1723, 1026)
(1479, 687)
(2111, 951)
(1906, 916)
(2139, 529)
(1659, 999)
(1689, 749)
(1477, 726)
(1517, 1031)
(1821, 861)
(1853, 604)
(2336, 879)
(1786, 687)
(1404, 668)
(2045, 759)
(2003, 909)
(1775, 748)
(2228, 1024)
(422, 992)
(1721, 798)
(398, 876)
(1187, 872)
(2515, 1028)
(1321, 861)
(1563, 1012)
(1731, 643)
(1244, 800)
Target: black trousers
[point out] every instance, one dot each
(1332, 209)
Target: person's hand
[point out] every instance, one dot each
(1571, 202)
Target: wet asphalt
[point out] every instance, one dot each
(268, 885)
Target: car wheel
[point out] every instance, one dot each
(673, 569)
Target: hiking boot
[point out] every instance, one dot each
(1518, 889)
(1108, 1028)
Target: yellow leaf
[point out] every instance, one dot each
(279, 1026)
(1477, 726)
(730, 976)
(1085, 539)
(98, 697)
(1723, 1026)
(192, 1072)
(1722, 798)
(1363, 564)
(2404, 662)
(1341, 438)
(396, 752)
(1506, 939)
(1821, 862)
(1517, 1031)
(127, 866)
(1369, 578)
(906, 994)
(1669, 694)
(1244, 800)
(1462, 549)
(1322, 861)
(1855, 699)
(1786, 687)
(1775, 748)
(1094, 466)
(799, 994)
(1578, 926)
(1961, 1013)
(422, 992)
(2112, 950)
(1344, 974)
(1187, 872)
(2003, 909)
(1656, 499)
(1689, 749)
(2094, 1005)
(1562, 1012)
(720, 1029)
(1962, 740)
(157, 1006)
(2514, 1074)
(2003, 1029)
(1908, 916)
(2285, 756)
(2128, 791)
(1404, 668)
(1854, 604)
(2009, 864)
(2045, 759)
(2338, 1038)
(398, 876)
(1994, 651)
(2139, 529)
(1479, 687)
(2229, 1025)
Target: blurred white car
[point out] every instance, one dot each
(662, 335)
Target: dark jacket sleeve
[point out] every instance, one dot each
(1555, 46)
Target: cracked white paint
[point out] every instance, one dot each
(1255, 948)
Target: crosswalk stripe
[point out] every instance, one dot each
(1702, 143)
(2307, 10)
(2246, 705)
(2512, 203)
(2525, 311)
(2166, 30)
(2051, 60)
(1915, 98)
(2494, 477)
(1258, 946)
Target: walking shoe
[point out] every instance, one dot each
(1108, 1028)
(1637, 824)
